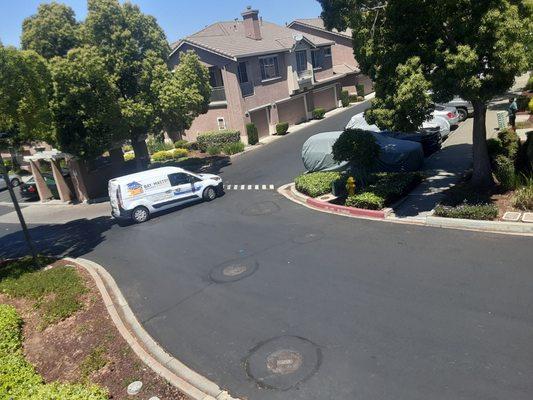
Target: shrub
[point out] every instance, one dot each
(213, 150)
(366, 200)
(530, 105)
(129, 156)
(282, 128)
(360, 89)
(127, 148)
(359, 148)
(182, 144)
(391, 186)
(318, 113)
(155, 146)
(233, 148)
(317, 183)
(217, 138)
(524, 159)
(253, 135)
(345, 98)
(529, 85)
(353, 98)
(495, 148)
(505, 172)
(10, 330)
(510, 142)
(523, 197)
(522, 102)
(179, 153)
(468, 211)
(160, 156)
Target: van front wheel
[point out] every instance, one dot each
(209, 194)
(140, 214)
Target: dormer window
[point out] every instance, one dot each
(327, 52)
(316, 59)
(269, 68)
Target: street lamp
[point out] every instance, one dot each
(17, 207)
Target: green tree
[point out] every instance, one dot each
(53, 31)
(469, 48)
(25, 85)
(85, 104)
(134, 48)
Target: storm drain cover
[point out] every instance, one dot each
(232, 271)
(262, 208)
(308, 237)
(283, 362)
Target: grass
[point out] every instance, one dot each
(55, 292)
(94, 361)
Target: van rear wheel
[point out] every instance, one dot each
(140, 214)
(209, 194)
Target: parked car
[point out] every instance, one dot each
(442, 123)
(450, 113)
(464, 108)
(28, 189)
(14, 179)
(136, 196)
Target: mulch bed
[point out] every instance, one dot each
(58, 351)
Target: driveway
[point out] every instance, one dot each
(272, 300)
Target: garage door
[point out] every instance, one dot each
(292, 111)
(260, 120)
(325, 99)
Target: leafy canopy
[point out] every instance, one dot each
(359, 148)
(53, 31)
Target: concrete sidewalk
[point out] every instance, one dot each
(446, 167)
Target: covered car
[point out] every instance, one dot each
(395, 155)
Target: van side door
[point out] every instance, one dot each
(182, 187)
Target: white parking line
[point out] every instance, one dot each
(263, 187)
(249, 187)
(256, 187)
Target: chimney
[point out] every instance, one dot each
(252, 28)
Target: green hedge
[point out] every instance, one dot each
(468, 211)
(523, 197)
(366, 200)
(360, 89)
(233, 148)
(504, 170)
(18, 378)
(319, 113)
(510, 142)
(217, 138)
(353, 98)
(168, 155)
(253, 135)
(182, 144)
(282, 128)
(316, 184)
(345, 98)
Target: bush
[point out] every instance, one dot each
(318, 113)
(468, 211)
(282, 128)
(393, 185)
(129, 156)
(360, 90)
(529, 85)
(233, 148)
(253, 135)
(530, 105)
(213, 150)
(10, 330)
(217, 138)
(179, 153)
(505, 172)
(524, 159)
(523, 197)
(353, 98)
(495, 148)
(522, 102)
(160, 156)
(359, 148)
(182, 144)
(127, 148)
(155, 146)
(345, 98)
(510, 142)
(316, 184)
(366, 200)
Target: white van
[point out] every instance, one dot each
(136, 196)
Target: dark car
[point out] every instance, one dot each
(28, 190)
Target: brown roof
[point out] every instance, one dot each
(228, 39)
(318, 23)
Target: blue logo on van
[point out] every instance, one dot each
(135, 188)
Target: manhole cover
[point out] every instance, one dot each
(283, 362)
(308, 237)
(263, 208)
(231, 271)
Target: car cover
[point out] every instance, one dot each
(395, 155)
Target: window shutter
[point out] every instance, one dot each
(276, 67)
(262, 67)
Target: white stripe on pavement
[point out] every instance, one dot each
(249, 187)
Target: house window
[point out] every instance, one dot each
(327, 52)
(242, 72)
(221, 123)
(301, 60)
(215, 77)
(269, 67)
(316, 59)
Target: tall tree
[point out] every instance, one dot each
(85, 105)
(469, 48)
(25, 85)
(133, 46)
(53, 31)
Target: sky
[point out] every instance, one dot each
(178, 18)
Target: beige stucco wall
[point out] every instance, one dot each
(325, 99)
(292, 111)
(260, 119)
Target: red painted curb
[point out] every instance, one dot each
(360, 212)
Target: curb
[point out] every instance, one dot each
(499, 227)
(194, 385)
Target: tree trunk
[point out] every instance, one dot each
(482, 174)
(142, 157)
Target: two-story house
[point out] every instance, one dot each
(262, 73)
(344, 61)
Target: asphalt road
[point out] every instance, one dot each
(327, 307)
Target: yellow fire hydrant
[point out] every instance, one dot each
(350, 186)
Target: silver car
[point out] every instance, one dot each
(450, 113)
(14, 179)
(464, 108)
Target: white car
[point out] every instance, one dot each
(442, 123)
(135, 197)
(14, 179)
(450, 113)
